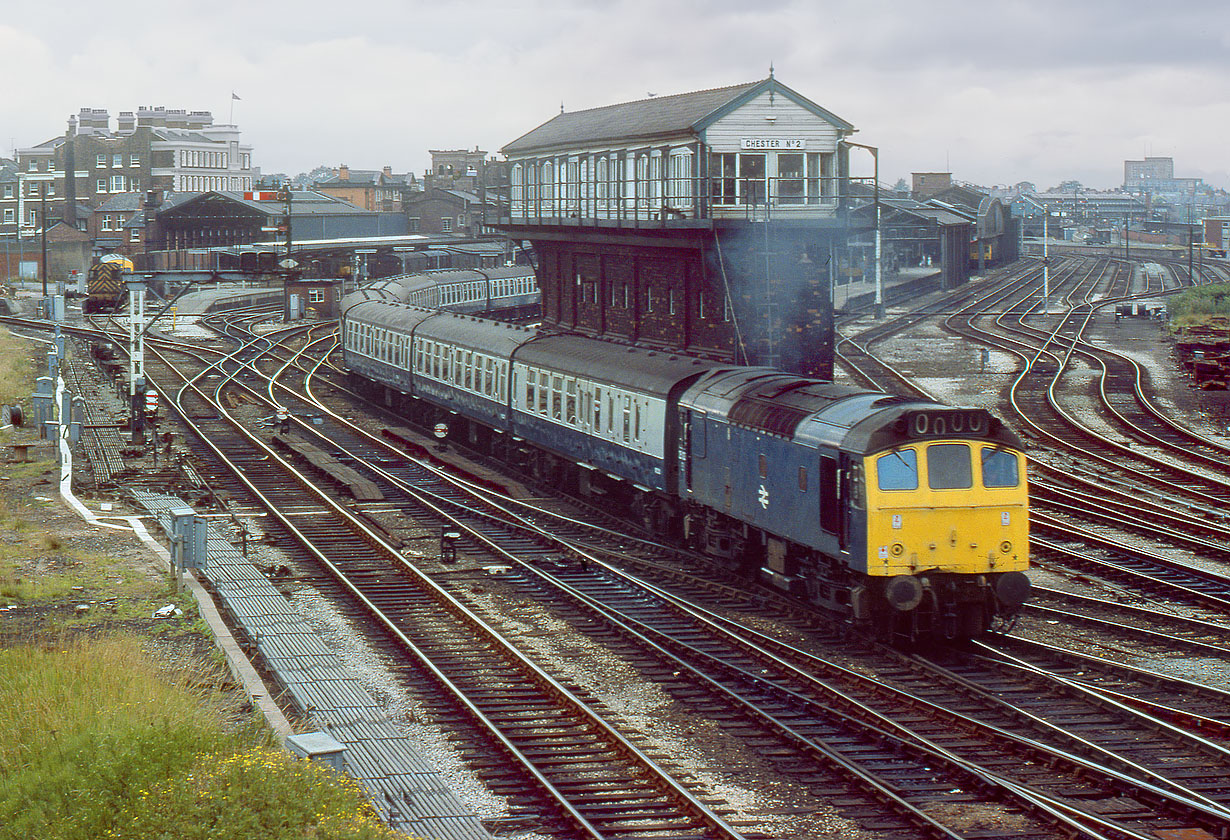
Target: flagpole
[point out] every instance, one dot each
(231, 120)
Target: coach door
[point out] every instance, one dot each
(691, 443)
(833, 515)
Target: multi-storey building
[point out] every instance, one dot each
(1138, 173)
(703, 221)
(155, 148)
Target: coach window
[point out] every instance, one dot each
(898, 470)
(627, 418)
(598, 409)
(999, 468)
(544, 393)
(531, 379)
(948, 466)
(557, 397)
(570, 403)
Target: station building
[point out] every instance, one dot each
(704, 221)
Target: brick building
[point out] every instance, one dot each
(153, 148)
(372, 189)
(457, 212)
(704, 221)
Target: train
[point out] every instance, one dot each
(507, 293)
(905, 517)
(105, 287)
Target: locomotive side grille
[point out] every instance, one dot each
(768, 416)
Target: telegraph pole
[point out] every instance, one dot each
(286, 195)
(42, 201)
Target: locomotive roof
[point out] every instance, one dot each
(821, 413)
(777, 403)
(649, 371)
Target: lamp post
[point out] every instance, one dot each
(875, 159)
(1046, 260)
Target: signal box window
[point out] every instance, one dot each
(898, 470)
(949, 467)
(999, 468)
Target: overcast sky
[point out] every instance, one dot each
(996, 92)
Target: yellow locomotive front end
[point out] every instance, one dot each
(948, 532)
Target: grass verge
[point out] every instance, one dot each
(113, 725)
(96, 741)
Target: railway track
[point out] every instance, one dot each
(782, 712)
(560, 749)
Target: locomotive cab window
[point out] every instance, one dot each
(949, 466)
(898, 470)
(999, 468)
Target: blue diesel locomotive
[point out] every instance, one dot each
(906, 517)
